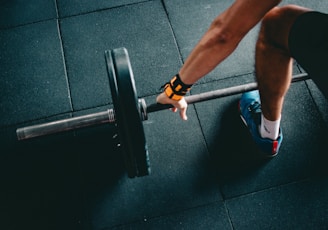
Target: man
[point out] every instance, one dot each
(286, 32)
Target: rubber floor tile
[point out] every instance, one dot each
(15, 13)
(33, 79)
(213, 216)
(181, 176)
(240, 167)
(147, 37)
(294, 206)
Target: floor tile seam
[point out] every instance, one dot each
(56, 8)
(225, 79)
(101, 10)
(65, 66)
(206, 143)
(211, 81)
(228, 214)
(167, 214)
(270, 188)
(203, 132)
(28, 24)
(312, 98)
(58, 17)
(173, 32)
(316, 106)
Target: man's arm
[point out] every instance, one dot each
(220, 40)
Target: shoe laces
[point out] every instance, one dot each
(255, 109)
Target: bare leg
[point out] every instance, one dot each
(273, 60)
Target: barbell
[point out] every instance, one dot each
(128, 113)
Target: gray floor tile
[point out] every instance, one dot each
(213, 216)
(294, 206)
(206, 173)
(74, 7)
(147, 36)
(240, 170)
(181, 176)
(14, 13)
(33, 80)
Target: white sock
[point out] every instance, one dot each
(269, 129)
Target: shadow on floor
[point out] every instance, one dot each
(43, 181)
(234, 153)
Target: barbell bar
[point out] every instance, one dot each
(219, 93)
(129, 111)
(108, 116)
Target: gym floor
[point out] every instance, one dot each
(206, 173)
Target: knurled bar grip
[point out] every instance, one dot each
(109, 116)
(65, 125)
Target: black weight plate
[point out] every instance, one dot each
(128, 159)
(131, 132)
(134, 132)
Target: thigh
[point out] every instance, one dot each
(308, 44)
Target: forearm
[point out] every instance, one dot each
(206, 55)
(223, 37)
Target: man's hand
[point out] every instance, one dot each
(180, 105)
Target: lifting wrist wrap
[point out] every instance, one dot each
(176, 89)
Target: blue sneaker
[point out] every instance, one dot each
(250, 113)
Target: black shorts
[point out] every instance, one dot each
(308, 44)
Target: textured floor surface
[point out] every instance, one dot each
(206, 173)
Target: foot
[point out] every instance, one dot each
(250, 113)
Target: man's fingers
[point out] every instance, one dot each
(183, 114)
(180, 105)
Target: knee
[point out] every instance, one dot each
(277, 22)
(271, 25)
(278, 15)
